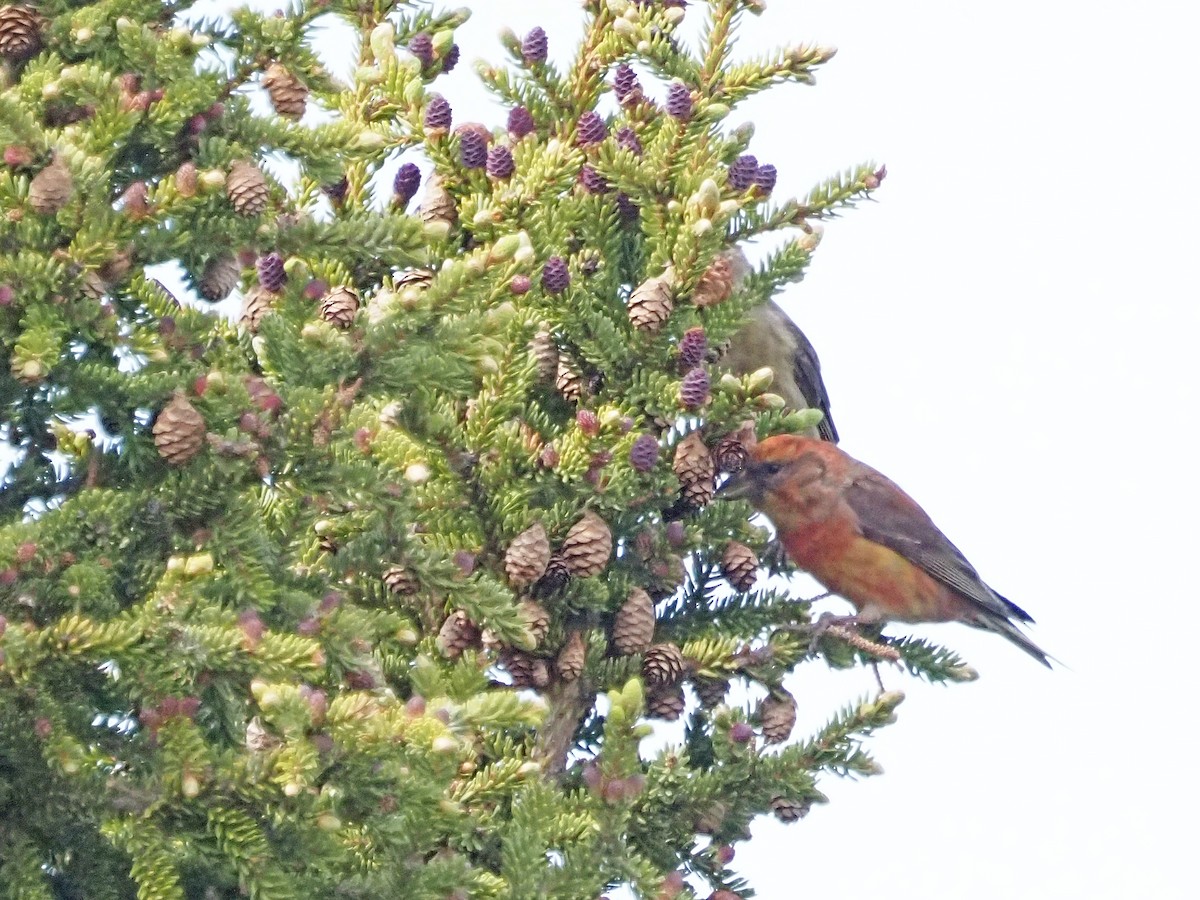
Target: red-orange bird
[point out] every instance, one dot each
(866, 540)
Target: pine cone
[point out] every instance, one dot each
(777, 713)
(339, 306)
(536, 619)
(51, 188)
(258, 739)
(20, 32)
(220, 276)
(663, 664)
(257, 303)
(527, 671)
(289, 94)
(666, 702)
(457, 634)
(545, 353)
(788, 810)
(651, 302)
(720, 279)
(178, 431)
(730, 455)
(633, 628)
(526, 558)
(588, 546)
(695, 469)
(246, 188)
(739, 565)
(436, 204)
(400, 581)
(711, 691)
(568, 380)
(571, 657)
(558, 573)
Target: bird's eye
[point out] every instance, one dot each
(770, 469)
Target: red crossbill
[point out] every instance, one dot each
(866, 540)
(771, 338)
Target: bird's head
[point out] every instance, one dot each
(778, 469)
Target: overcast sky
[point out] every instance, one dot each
(1011, 333)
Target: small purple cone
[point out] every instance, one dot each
(693, 390)
(473, 149)
(765, 177)
(450, 60)
(520, 284)
(679, 101)
(534, 47)
(625, 81)
(593, 182)
(438, 114)
(520, 122)
(693, 348)
(627, 139)
(270, 272)
(421, 46)
(590, 129)
(555, 276)
(742, 172)
(643, 454)
(406, 183)
(627, 209)
(500, 162)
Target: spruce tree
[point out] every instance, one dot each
(374, 587)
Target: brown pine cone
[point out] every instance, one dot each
(339, 306)
(788, 810)
(247, 188)
(777, 713)
(695, 469)
(289, 94)
(730, 455)
(721, 278)
(400, 580)
(457, 634)
(663, 664)
(51, 188)
(571, 657)
(536, 619)
(651, 302)
(436, 203)
(633, 628)
(711, 691)
(526, 558)
(20, 31)
(739, 565)
(568, 381)
(666, 702)
(257, 303)
(178, 431)
(588, 546)
(558, 574)
(220, 276)
(527, 671)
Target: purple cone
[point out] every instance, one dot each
(765, 177)
(450, 60)
(405, 184)
(500, 162)
(643, 454)
(590, 129)
(693, 348)
(693, 390)
(270, 272)
(438, 114)
(593, 182)
(555, 276)
(473, 149)
(421, 46)
(742, 172)
(627, 139)
(679, 101)
(534, 47)
(625, 81)
(627, 209)
(520, 122)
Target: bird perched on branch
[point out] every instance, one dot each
(771, 338)
(866, 540)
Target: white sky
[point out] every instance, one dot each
(1007, 334)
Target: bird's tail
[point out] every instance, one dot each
(1007, 629)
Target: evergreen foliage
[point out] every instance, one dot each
(259, 631)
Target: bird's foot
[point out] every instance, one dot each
(824, 624)
(774, 557)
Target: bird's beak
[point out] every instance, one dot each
(737, 487)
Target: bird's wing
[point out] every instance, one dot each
(888, 516)
(806, 369)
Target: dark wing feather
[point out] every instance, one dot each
(888, 516)
(806, 369)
